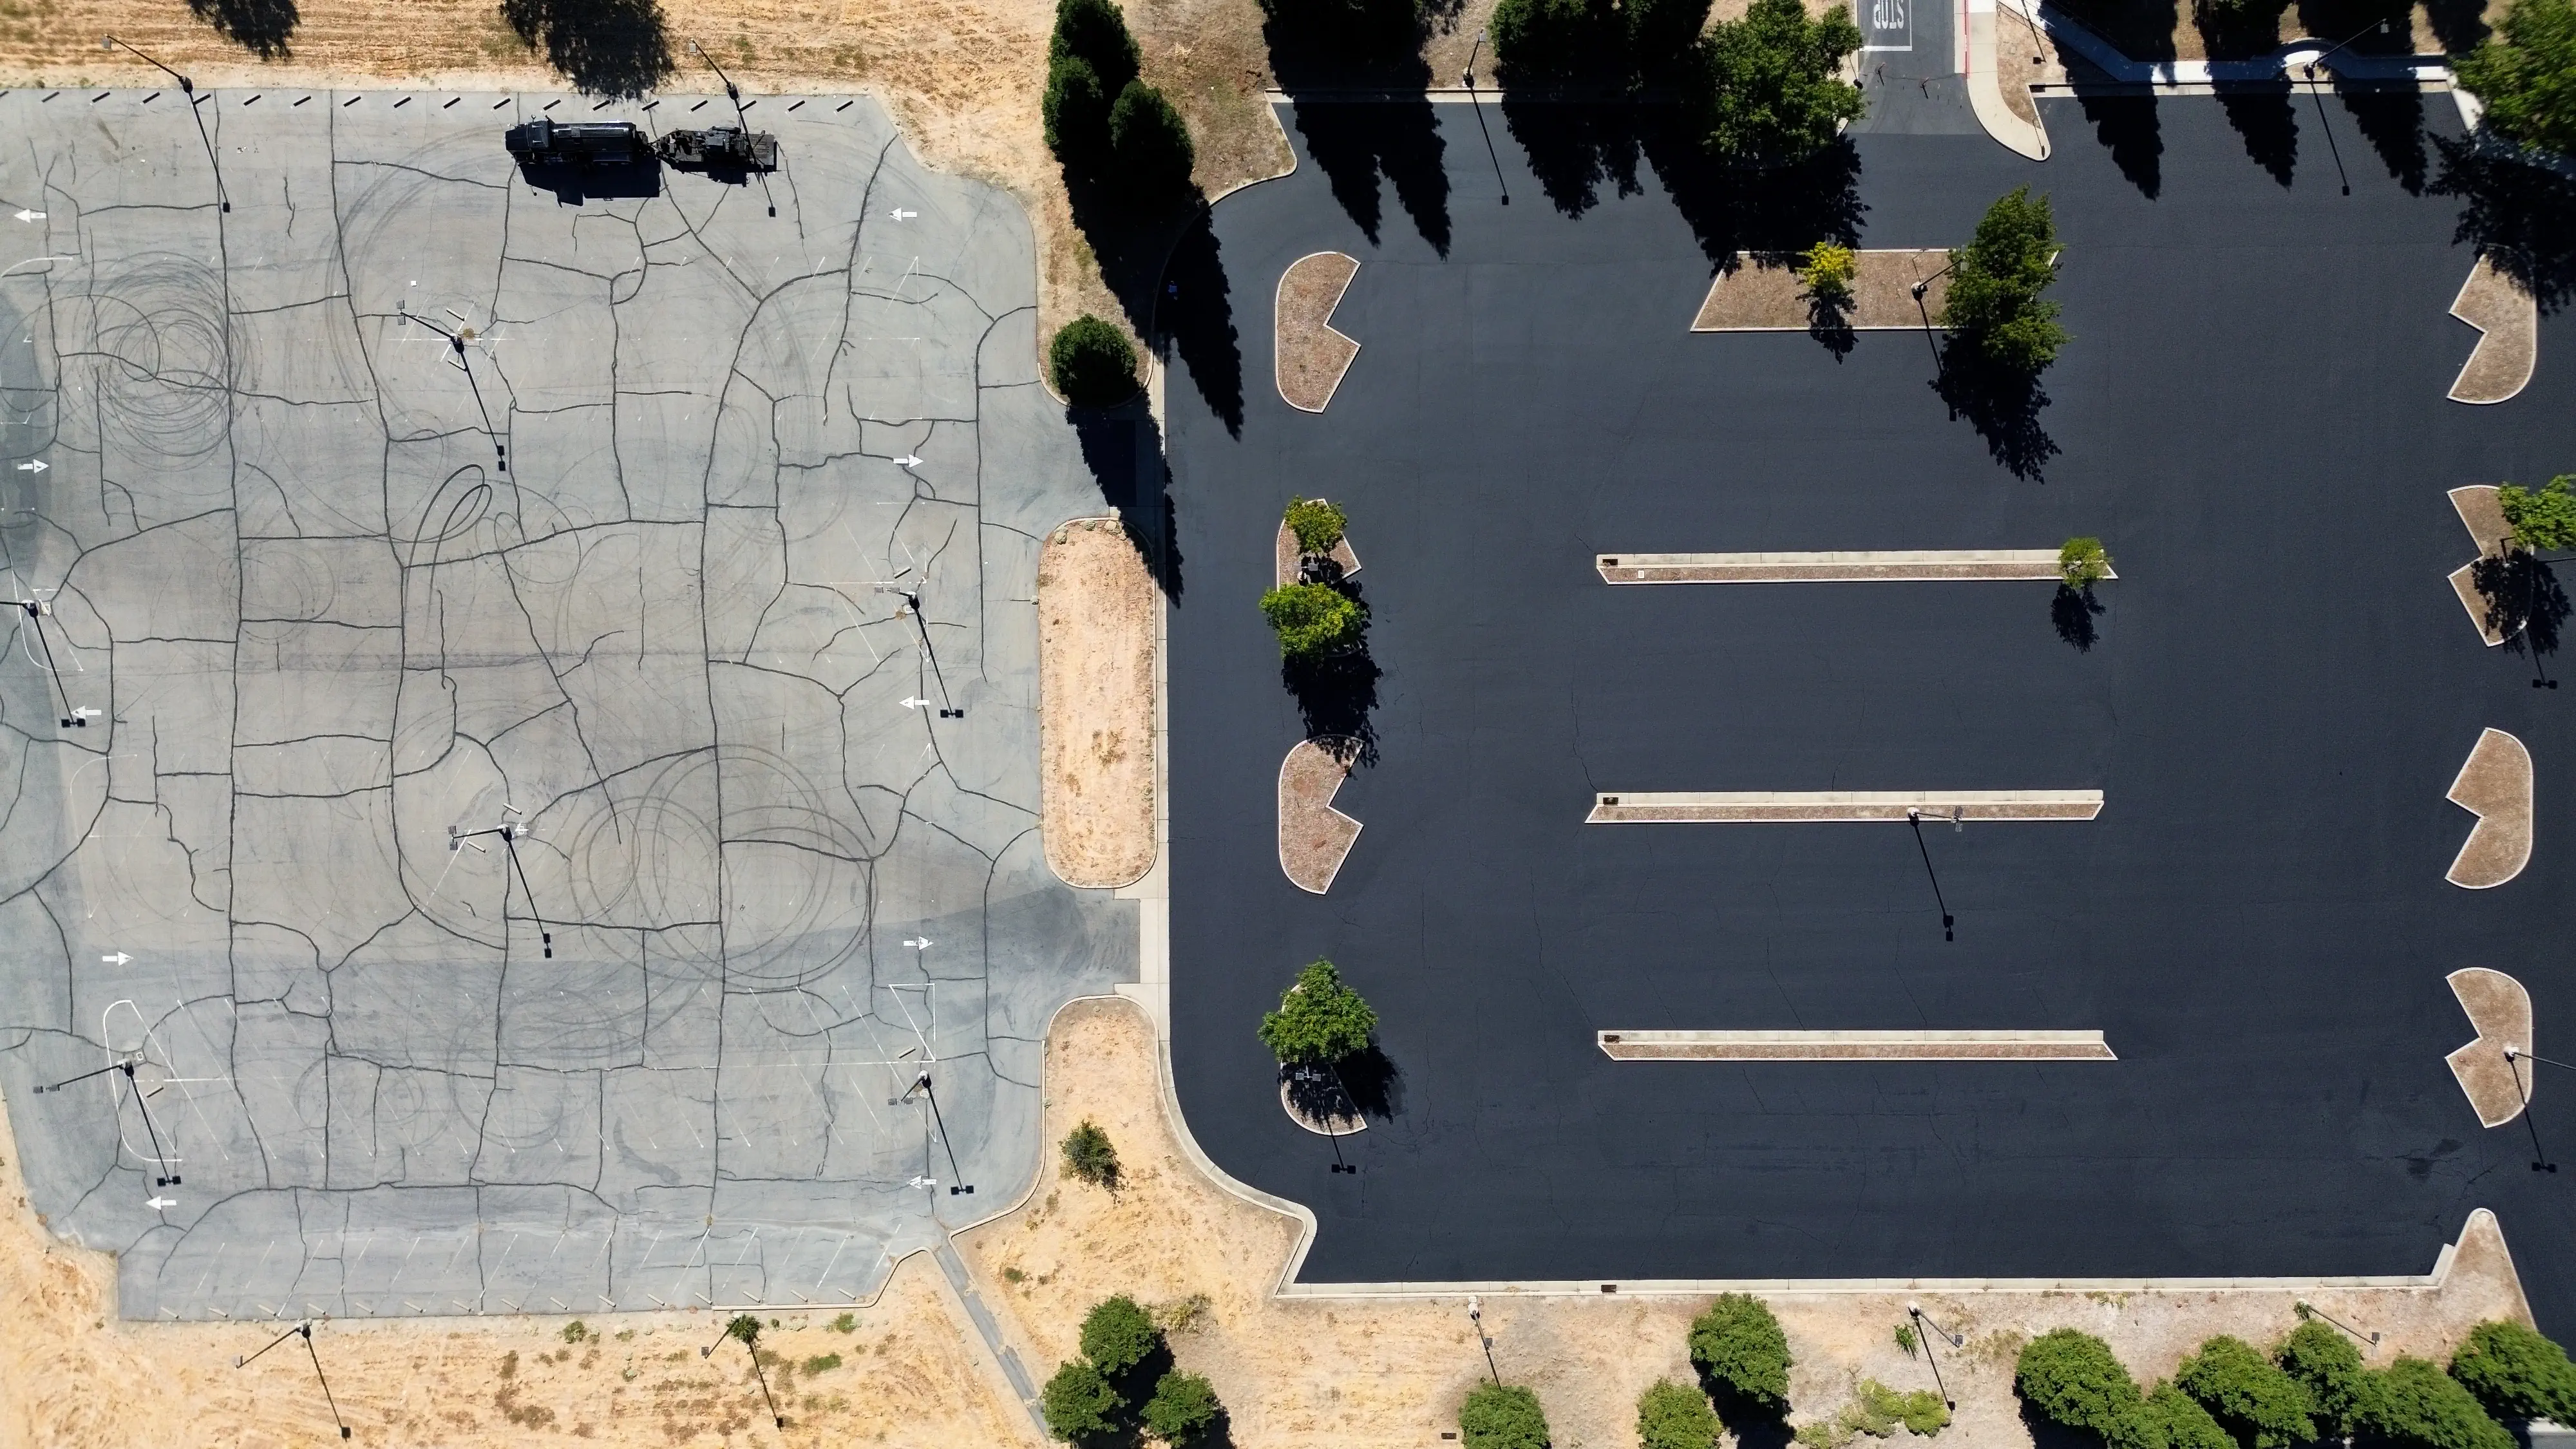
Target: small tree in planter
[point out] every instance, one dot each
(1093, 363)
(1089, 1155)
(1319, 1020)
(1078, 1402)
(1183, 1409)
(1316, 525)
(2543, 518)
(1313, 620)
(2083, 562)
(1827, 270)
(1995, 281)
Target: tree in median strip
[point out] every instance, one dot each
(1994, 302)
(1313, 620)
(1739, 1346)
(2083, 562)
(1093, 363)
(2543, 518)
(1315, 524)
(1676, 1416)
(1502, 1416)
(2516, 1373)
(1319, 1020)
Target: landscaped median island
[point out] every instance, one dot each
(1314, 838)
(1308, 355)
(1784, 807)
(1854, 1046)
(1768, 293)
(2497, 1085)
(1930, 565)
(1096, 605)
(2507, 317)
(2494, 784)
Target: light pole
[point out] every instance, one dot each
(1476, 1319)
(733, 93)
(2539, 1160)
(957, 1187)
(2305, 1309)
(187, 88)
(1467, 77)
(1957, 1340)
(305, 1329)
(747, 1328)
(1914, 817)
(2310, 71)
(456, 340)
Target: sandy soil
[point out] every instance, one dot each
(2500, 1009)
(1307, 356)
(1096, 604)
(2508, 323)
(1314, 838)
(2166, 30)
(2495, 785)
(72, 1376)
(1344, 1372)
(1763, 294)
(1287, 565)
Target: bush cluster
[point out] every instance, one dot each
(1103, 122)
(1088, 1397)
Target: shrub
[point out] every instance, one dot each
(2413, 1404)
(2543, 518)
(2526, 75)
(1319, 1019)
(1149, 143)
(575, 1331)
(1095, 32)
(1183, 1408)
(2071, 1378)
(1739, 1345)
(1182, 1315)
(1995, 282)
(2516, 1373)
(1313, 619)
(2323, 1361)
(1317, 524)
(1117, 1335)
(1675, 1416)
(821, 1363)
(1498, 1416)
(744, 1327)
(1826, 270)
(1767, 88)
(2168, 1419)
(1089, 1156)
(1075, 108)
(846, 1323)
(1093, 363)
(2082, 562)
(2262, 1406)
(1078, 1402)
(1905, 1338)
(1556, 39)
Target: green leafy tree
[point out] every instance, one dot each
(1149, 144)
(2543, 518)
(1663, 34)
(2082, 563)
(1994, 302)
(1316, 524)
(1675, 1416)
(2072, 1378)
(1313, 619)
(1093, 363)
(1767, 88)
(1117, 1334)
(1826, 270)
(1089, 1155)
(1075, 108)
(1556, 39)
(2323, 1361)
(1502, 1416)
(2414, 1405)
(2526, 75)
(1183, 1408)
(1096, 32)
(1078, 1402)
(1739, 1345)
(1319, 1019)
(2167, 1419)
(2263, 1407)
(2517, 1374)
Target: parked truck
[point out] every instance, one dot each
(547, 140)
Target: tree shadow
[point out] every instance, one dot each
(2524, 601)
(574, 182)
(2002, 403)
(2047, 1433)
(1735, 211)
(1829, 322)
(1336, 697)
(2239, 31)
(2392, 121)
(2073, 611)
(258, 26)
(1755, 1426)
(2268, 124)
(1123, 449)
(1321, 47)
(2520, 215)
(1575, 150)
(604, 47)
(1374, 1081)
(2458, 24)
(2129, 128)
(1159, 258)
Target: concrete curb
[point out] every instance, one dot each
(2073, 35)
(1796, 807)
(1986, 91)
(1854, 1046)
(1884, 566)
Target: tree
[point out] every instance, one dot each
(2412, 1404)
(1675, 1416)
(2071, 1378)
(2526, 75)
(1076, 110)
(1766, 89)
(2262, 1406)
(1499, 1416)
(1096, 32)
(1093, 363)
(2168, 1419)
(2323, 1361)
(1078, 1402)
(1995, 282)
(744, 1327)
(1184, 1406)
(1319, 1019)
(2082, 563)
(1739, 1345)
(1313, 619)
(2517, 1374)
(1149, 144)
(1316, 524)
(2543, 518)
(1826, 270)
(1557, 39)
(1663, 34)
(1117, 1335)
(1089, 1155)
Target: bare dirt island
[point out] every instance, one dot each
(1314, 838)
(1763, 294)
(2481, 512)
(2494, 784)
(1299, 1371)
(1096, 606)
(2499, 1087)
(2508, 321)
(1309, 356)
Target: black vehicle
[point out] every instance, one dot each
(544, 140)
(719, 147)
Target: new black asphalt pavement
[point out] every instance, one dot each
(2251, 415)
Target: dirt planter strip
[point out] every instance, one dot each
(1763, 294)
(1314, 838)
(1287, 564)
(1308, 357)
(1784, 807)
(2500, 1009)
(1854, 1046)
(1966, 565)
(2481, 510)
(2508, 323)
(1096, 604)
(2494, 784)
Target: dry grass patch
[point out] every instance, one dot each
(1096, 607)
(1314, 838)
(2508, 323)
(2500, 1009)
(1308, 356)
(1763, 294)
(2494, 784)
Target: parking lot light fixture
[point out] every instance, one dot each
(187, 87)
(1476, 1318)
(1955, 1340)
(2305, 1309)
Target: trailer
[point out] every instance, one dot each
(719, 147)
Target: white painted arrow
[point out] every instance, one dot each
(918, 943)
(26, 215)
(85, 712)
(902, 215)
(38, 466)
(119, 959)
(162, 1204)
(908, 460)
(914, 703)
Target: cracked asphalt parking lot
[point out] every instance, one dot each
(509, 886)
